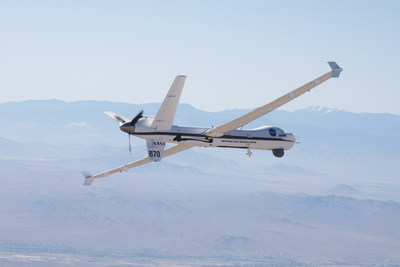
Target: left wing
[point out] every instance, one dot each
(168, 152)
(261, 111)
(165, 115)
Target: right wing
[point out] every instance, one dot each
(168, 152)
(165, 115)
(261, 111)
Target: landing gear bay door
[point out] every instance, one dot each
(155, 149)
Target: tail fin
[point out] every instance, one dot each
(165, 115)
(121, 120)
(155, 149)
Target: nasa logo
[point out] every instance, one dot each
(157, 143)
(272, 132)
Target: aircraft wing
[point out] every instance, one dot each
(168, 152)
(260, 111)
(165, 115)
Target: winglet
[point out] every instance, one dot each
(88, 178)
(336, 70)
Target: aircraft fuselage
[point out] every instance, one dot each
(265, 138)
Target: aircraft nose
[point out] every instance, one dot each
(290, 137)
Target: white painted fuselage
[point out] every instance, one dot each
(264, 138)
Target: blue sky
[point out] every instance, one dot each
(236, 54)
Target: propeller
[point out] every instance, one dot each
(135, 119)
(127, 127)
(130, 149)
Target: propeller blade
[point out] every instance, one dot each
(130, 150)
(129, 128)
(136, 118)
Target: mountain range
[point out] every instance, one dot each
(331, 200)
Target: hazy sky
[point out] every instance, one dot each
(236, 54)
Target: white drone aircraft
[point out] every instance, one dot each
(159, 130)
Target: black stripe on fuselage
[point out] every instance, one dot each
(208, 137)
(243, 147)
